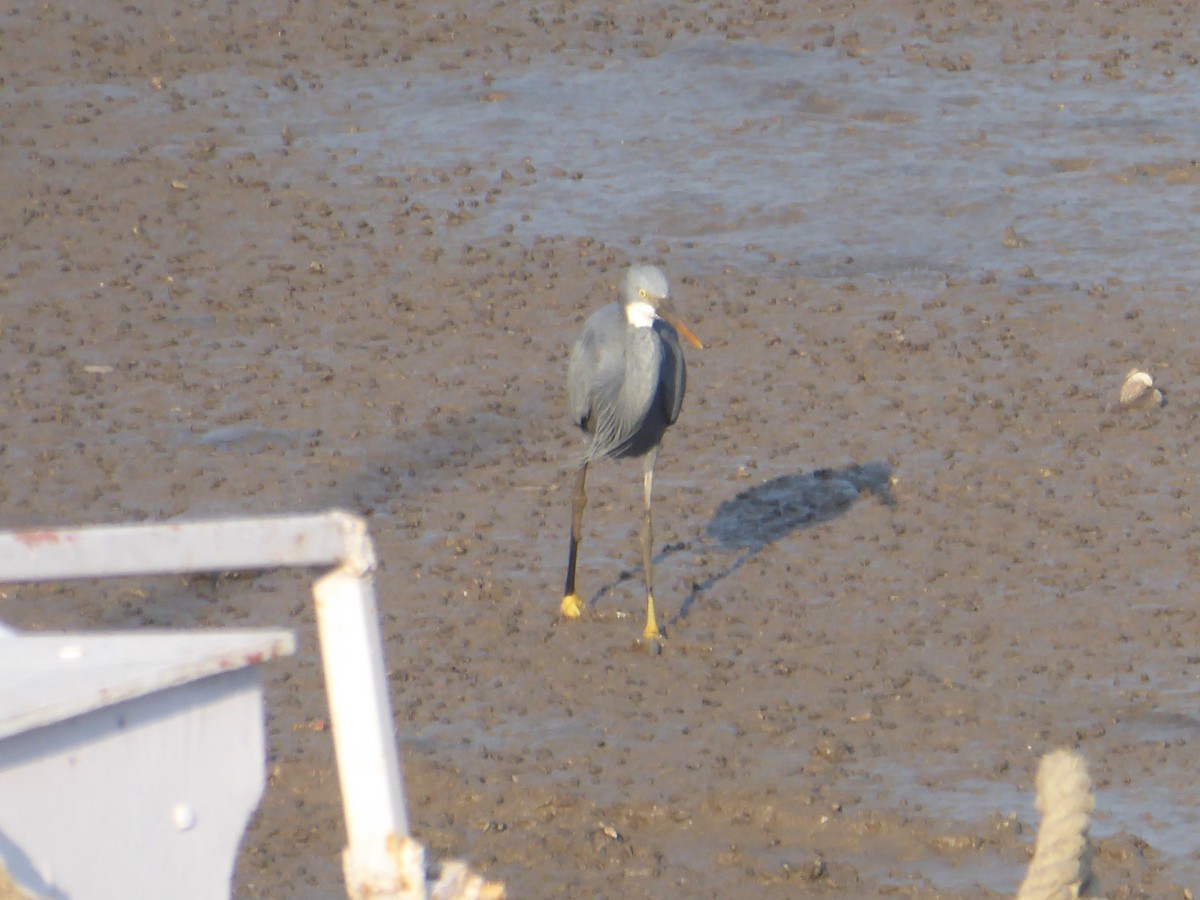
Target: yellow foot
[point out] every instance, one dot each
(571, 607)
(651, 632)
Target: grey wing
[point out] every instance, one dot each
(579, 372)
(673, 377)
(596, 367)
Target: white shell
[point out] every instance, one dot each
(1136, 384)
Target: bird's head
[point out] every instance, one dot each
(642, 289)
(643, 292)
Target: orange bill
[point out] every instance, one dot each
(683, 330)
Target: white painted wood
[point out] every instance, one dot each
(381, 861)
(324, 539)
(46, 678)
(364, 741)
(147, 797)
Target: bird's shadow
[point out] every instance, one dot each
(760, 515)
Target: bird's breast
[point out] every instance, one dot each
(643, 367)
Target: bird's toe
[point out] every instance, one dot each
(572, 607)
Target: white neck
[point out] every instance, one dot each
(640, 314)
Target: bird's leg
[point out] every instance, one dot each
(571, 605)
(651, 633)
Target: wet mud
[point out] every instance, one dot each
(258, 258)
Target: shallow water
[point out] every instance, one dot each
(748, 154)
(745, 153)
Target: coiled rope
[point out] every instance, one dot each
(1061, 861)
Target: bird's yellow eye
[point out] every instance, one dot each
(642, 293)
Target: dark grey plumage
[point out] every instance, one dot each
(625, 386)
(625, 383)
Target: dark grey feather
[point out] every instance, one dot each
(625, 384)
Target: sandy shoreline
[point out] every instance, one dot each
(211, 306)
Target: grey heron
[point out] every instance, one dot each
(625, 385)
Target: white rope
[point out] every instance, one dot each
(458, 882)
(1060, 869)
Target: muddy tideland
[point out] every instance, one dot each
(286, 256)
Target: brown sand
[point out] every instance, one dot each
(855, 689)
